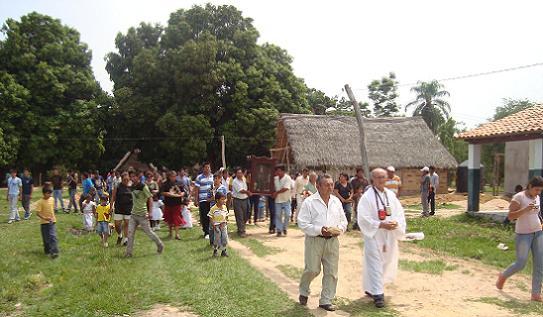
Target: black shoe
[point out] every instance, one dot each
(272, 231)
(432, 213)
(224, 254)
(328, 307)
(215, 254)
(54, 255)
(303, 300)
(279, 233)
(119, 240)
(379, 300)
(284, 232)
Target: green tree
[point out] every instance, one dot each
(447, 135)
(47, 90)
(429, 104)
(201, 76)
(319, 101)
(511, 106)
(344, 107)
(383, 93)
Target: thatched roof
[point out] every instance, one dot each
(333, 142)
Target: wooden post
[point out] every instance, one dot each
(223, 156)
(360, 120)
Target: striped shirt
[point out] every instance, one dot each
(205, 185)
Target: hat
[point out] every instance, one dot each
(425, 169)
(391, 169)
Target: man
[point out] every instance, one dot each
(241, 194)
(87, 186)
(56, 180)
(382, 222)
(141, 208)
(434, 186)
(28, 188)
(311, 187)
(121, 202)
(282, 196)
(14, 194)
(299, 186)
(359, 184)
(72, 188)
(425, 190)
(202, 194)
(394, 183)
(322, 220)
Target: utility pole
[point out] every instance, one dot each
(223, 156)
(360, 120)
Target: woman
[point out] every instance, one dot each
(344, 191)
(121, 203)
(173, 199)
(525, 209)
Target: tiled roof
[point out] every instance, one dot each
(528, 121)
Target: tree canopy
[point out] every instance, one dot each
(383, 93)
(430, 104)
(201, 76)
(48, 95)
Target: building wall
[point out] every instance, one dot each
(516, 165)
(411, 181)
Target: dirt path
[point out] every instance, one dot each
(414, 294)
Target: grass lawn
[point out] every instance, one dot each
(88, 280)
(467, 237)
(418, 207)
(436, 267)
(257, 247)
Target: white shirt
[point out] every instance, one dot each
(300, 183)
(285, 182)
(237, 186)
(434, 181)
(315, 214)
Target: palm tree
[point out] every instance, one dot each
(430, 104)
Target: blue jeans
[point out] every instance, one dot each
(347, 209)
(57, 195)
(72, 199)
(220, 236)
(49, 237)
(523, 244)
(282, 216)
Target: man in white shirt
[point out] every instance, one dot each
(382, 223)
(241, 194)
(434, 186)
(282, 196)
(322, 220)
(299, 186)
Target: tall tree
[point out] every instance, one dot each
(47, 92)
(429, 104)
(319, 101)
(447, 135)
(383, 93)
(180, 87)
(344, 107)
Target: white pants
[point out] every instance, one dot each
(299, 201)
(13, 209)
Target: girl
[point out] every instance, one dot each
(525, 207)
(156, 214)
(89, 209)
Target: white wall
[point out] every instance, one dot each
(516, 165)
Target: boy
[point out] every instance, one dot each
(46, 213)
(14, 194)
(103, 215)
(218, 217)
(142, 204)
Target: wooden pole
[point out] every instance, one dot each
(360, 120)
(223, 156)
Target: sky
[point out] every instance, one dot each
(334, 43)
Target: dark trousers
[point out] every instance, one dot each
(204, 219)
(255, 200)
(271, 208)
(241, 208)
(49, 237)
(432, 201)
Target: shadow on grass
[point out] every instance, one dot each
(363, 307)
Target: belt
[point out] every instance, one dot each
(319, 236)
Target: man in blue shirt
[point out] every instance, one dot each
(202, 196)
(28, 187)
(87, 186)
(14, 194)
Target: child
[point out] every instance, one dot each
(185, 212)
(156, 214)
(89, 209)
(218, 217)
(46, 213)
(103, 214)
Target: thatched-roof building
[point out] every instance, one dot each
(331, 144)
